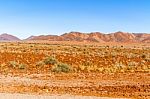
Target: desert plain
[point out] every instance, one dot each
(91, 70)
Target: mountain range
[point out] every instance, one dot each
(86, 37)
(8, 37)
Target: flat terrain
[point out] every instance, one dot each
(23, 96)
(100, 70)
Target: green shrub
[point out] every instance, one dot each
(61, 67)
(16, 65)
(22, 66)
(13, 64)
(50, 61)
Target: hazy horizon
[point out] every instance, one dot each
(24, 18)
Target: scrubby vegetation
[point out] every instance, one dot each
(61, 67)
(16, 65)
(100, 70)
(86, 58)
(13, 64)
(50, 61)
(22, 66)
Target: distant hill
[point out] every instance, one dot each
(96, 37)
(42, 37)
(86, 37)
(8, 37)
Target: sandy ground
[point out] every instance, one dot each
(77, 85)
(33, 81)
(23, 96)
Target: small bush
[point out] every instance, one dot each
(22, 66)
(14, 64)
(61, 67)
(143, 56)
(50, 61)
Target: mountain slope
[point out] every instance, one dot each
(42, 37)
(96, 37)
(8, 37)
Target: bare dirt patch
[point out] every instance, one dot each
(119, 71)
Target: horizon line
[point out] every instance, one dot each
(74, 32)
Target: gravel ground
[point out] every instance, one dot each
(23, 96)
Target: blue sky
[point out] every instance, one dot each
(23, 18)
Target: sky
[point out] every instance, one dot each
(24, 18)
